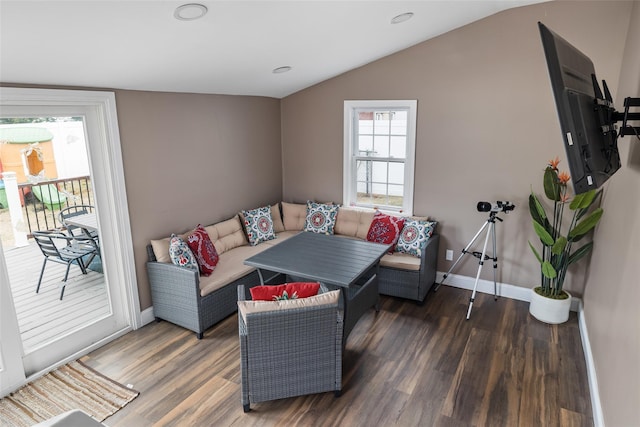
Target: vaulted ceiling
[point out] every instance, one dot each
(232, 49)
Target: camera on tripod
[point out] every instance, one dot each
(499, 206)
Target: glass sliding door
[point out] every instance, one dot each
(67, 170)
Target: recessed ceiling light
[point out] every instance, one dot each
(281, 70)
(401, 18)
(190, 11)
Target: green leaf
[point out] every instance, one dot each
(537, 211)
(535, 252)
(582, 201)
(583, 211)
(559, 245)
(579, 253)
(548, 270)
(544, 235)
(584, 226)
(551, 184)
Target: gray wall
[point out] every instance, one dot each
(613, 289)
(192, 159)
(487, 124)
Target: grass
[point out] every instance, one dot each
(376, 200)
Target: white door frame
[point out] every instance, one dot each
(11, 370)
(105, 158)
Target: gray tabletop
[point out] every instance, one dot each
(88, 221)
(328, 259)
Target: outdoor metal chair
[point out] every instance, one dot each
(77, 247)
(75, 210)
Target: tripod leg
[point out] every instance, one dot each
(462, 254)
(495, 262)
(475, 286)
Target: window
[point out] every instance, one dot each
(379, 151)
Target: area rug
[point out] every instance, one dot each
(72, 386)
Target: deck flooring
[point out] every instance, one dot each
(42, 317)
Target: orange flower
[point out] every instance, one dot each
(563, 177)
(554, 163)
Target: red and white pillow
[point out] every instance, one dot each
(200, 244)
(385, 229)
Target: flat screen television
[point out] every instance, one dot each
(587, 117)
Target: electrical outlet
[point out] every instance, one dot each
(449, 255)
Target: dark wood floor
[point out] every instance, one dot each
(407, 366)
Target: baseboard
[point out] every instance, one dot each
(596, 406)
(503, 289)
(146, 316)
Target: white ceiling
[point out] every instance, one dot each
(231, 50)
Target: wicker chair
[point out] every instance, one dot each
(289, 352)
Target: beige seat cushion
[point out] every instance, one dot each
(276, 217)
(419, 218)
(353, 222)
(294, 216)
(248, 307)
(230, 267)
(227, 235)
(400, 260)
(281, 237)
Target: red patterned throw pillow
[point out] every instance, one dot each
(385, 229)
(202, 247)
(270, 292)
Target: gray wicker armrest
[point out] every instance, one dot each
(175, 292)
(429, 257)
(178, 278)
(241, 293)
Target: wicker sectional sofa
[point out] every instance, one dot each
(195, 302)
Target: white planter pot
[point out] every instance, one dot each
(548, 310)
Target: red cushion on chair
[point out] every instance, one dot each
(304, 289)
(200, 244)
(385, 229)
(268, 292)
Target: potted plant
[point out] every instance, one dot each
(549, 302)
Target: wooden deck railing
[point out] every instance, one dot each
(42, 202)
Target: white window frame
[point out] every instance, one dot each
(349, 185)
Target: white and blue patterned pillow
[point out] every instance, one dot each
(321, 218)
(414, 236)
(259, 225)
(180, 253)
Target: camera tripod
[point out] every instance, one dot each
(490, 227)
